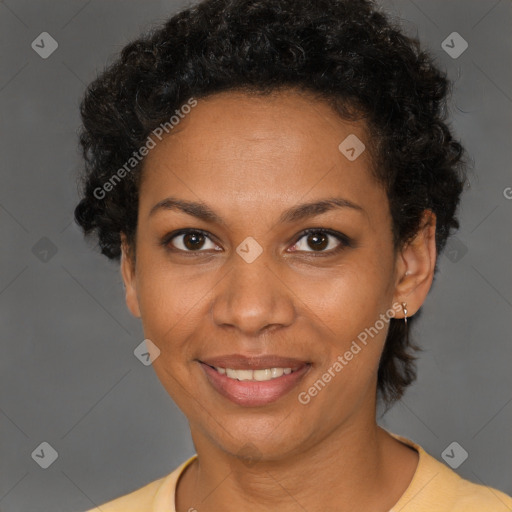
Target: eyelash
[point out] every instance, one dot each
(344, 240)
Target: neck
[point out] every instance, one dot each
(358, 466)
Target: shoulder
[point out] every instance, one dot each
(138, 500)
(457, 494)
(148, 497)
(469, 496)
(435, 486)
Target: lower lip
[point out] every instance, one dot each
(253, 393)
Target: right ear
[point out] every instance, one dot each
(129, 278)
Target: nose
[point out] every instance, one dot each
(252, 298)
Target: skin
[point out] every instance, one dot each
(249, 159)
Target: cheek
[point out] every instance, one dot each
(172, 303)
(172, 306)
(350, 304)
(351, 296)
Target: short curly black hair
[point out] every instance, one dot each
(346, 52)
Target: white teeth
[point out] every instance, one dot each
(254, 375)
(231, 373)
(277, 372)
(263, 374)
(243, 374)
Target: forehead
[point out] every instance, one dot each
(249, 148)
(291, 118)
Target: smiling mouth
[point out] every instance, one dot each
(259, 375)
(257, 386)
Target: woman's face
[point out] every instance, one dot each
(252, 284)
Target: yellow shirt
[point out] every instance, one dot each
(434, 488)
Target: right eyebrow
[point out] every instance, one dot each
(196, 209)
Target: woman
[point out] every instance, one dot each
(277, 180)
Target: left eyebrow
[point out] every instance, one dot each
(294, 214)
(305, 210)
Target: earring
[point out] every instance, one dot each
(404, 307)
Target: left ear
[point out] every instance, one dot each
(415, 265)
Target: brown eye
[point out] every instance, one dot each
(190, 241)
(321, 241)
(193, 241)
(318, 241)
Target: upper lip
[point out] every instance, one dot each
(242, 362)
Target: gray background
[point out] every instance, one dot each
(68, 373)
